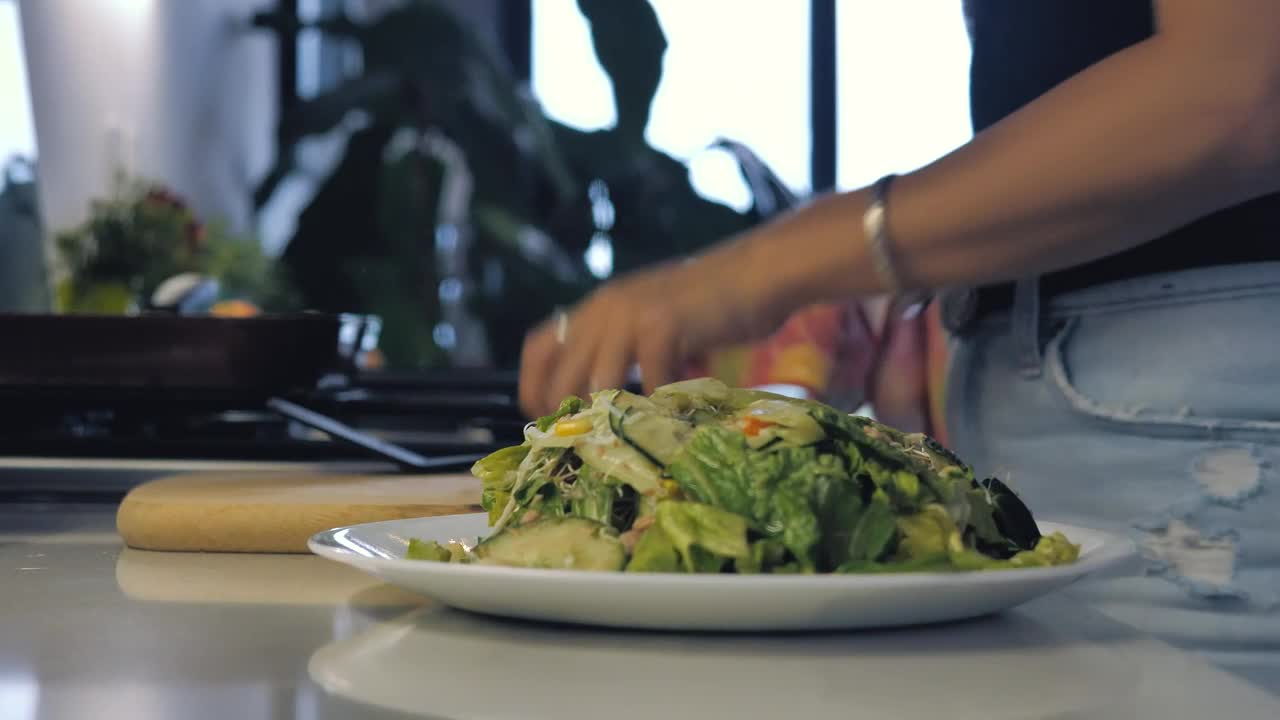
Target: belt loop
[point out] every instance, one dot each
(1025, 318)
(958, 308)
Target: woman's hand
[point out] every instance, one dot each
(659, 318)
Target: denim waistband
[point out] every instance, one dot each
(1221, 282)
(1032, 315)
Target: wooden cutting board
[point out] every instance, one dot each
(276, 512)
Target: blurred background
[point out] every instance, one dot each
(454, 168)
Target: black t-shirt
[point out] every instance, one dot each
(1022, 49)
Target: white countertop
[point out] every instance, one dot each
(89, 629)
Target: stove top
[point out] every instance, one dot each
(453, 413)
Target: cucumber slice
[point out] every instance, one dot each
(555, 543)
(647, 428)
(785, 423)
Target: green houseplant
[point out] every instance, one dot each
(534, 188)
(142, 233)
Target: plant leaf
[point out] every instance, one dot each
(375, 92)
(630, 45)
(770, 195)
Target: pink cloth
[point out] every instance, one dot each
(829, 351)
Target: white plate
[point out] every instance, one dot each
(702, 602)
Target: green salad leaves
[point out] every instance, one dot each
(703, 478)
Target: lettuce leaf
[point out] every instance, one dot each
(493, 467)
(530, 488)
(927, 534)
(774, 490)
(854, 530)
(883, 451)
(873, 532)
(935, 563)
(707, 400)
(982, 528)
(497, 472)
(494, 502)
(840, 505)
(704, 536)
(591, 497)
(837, 424)
(766, 555)
(796, 505)
(805, 498)
(654, 552)
(427, 550)
(568, 406)
(714, 468)
(538, 489)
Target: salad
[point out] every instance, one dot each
(703, 478)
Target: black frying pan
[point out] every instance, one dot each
(214, 361)
(167, 352)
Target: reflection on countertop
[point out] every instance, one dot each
(1047, 660)
(102, 631)
(256, 579)
(89, 629)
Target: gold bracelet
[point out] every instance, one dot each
(875, 224)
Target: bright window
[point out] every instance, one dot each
(736, 69)
(740, 69)
(17, 133)
(902, 69)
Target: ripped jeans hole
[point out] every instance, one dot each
(1184, 554)
(1228, 474)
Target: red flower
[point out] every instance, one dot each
(195, 233)
(161, 197)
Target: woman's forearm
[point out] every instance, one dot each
(1140, 144)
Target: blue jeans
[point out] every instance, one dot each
(1149, 407)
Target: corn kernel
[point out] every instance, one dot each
(565, 428)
